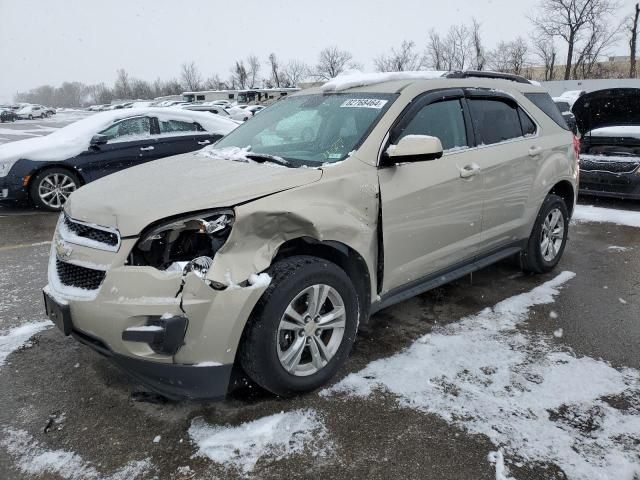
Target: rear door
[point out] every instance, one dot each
(431, 215)
(173, 137)
(129, 143)
(509, 155)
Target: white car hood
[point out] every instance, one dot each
(132, 199)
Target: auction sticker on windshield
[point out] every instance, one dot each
(364, 103)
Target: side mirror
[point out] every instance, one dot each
(413, 148)
(98, 140)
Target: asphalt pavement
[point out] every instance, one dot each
(59, 399)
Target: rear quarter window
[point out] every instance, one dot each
(544, 102)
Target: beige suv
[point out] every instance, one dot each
(266, 251)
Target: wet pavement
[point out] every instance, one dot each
(63, 397)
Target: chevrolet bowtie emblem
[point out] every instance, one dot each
(62, 249)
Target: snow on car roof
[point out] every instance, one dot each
(73, 139)
(359, 79)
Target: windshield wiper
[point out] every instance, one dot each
(264, 157)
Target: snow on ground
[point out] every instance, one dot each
(33, 459)
(589, 213)
(615, 248)
(280, 435)
(531, 396)
(19, 337)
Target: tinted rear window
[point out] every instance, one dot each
(544, 102)
(495, 120)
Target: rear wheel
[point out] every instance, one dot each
(303, 327)
(548, 237)
(51, 188)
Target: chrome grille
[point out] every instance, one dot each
(591, 165)
(92, 233)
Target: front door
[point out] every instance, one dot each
(431, 210)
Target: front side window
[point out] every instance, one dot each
(311, 129)
(128, 129)
(495, 120)
(171, 126)
(444, 120)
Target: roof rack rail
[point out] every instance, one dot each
(484, 74)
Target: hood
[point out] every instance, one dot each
(131, 199)
(607, 108)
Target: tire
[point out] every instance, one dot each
(540, 259)
(30, 117)
(46, 181)
(265, 342)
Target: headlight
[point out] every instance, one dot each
(183, 239)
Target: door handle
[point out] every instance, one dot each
(144, 149)
(204, 142)
(470, 170)
(533, 151)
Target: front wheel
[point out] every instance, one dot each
(548, 237)
(51, 188)
(303, 327)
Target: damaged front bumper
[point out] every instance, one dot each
(171, 331)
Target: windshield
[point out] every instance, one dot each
(311, 129)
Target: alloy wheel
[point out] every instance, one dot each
(311, 330)
(552, 235)
(55, 188)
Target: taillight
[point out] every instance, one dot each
(576, 147)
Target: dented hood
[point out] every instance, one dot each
(607, 108)
(133, 198)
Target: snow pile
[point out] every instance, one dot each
(35, 460)
(262, 280)
(74, 139)
(588, 213)
(497, 458)
(236, 154)
(528, 394)
(19, 337)
(280, 435)
(615, 248)
(353, 79)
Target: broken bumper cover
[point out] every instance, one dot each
(171, 380)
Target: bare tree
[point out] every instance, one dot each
(332, 62)
(276, 76)
(122, 87)
(568, 19)
(478, 48)
(600, 38)
(294, 72)
(458, 50)
(435, 51)
(190, 76)
(141, 89)
(509, 57)
(215, 83)
(403, 59)
(253, 71)
(239, 75)
(545, 50)
(633, 71)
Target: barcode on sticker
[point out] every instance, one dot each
(364, 103)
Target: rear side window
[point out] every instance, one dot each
(495, 120)
(528, 126)
(171, 126)
(544, 102)
(444, 120)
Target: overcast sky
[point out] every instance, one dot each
(48, 41)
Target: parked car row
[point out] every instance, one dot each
(11, 113)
